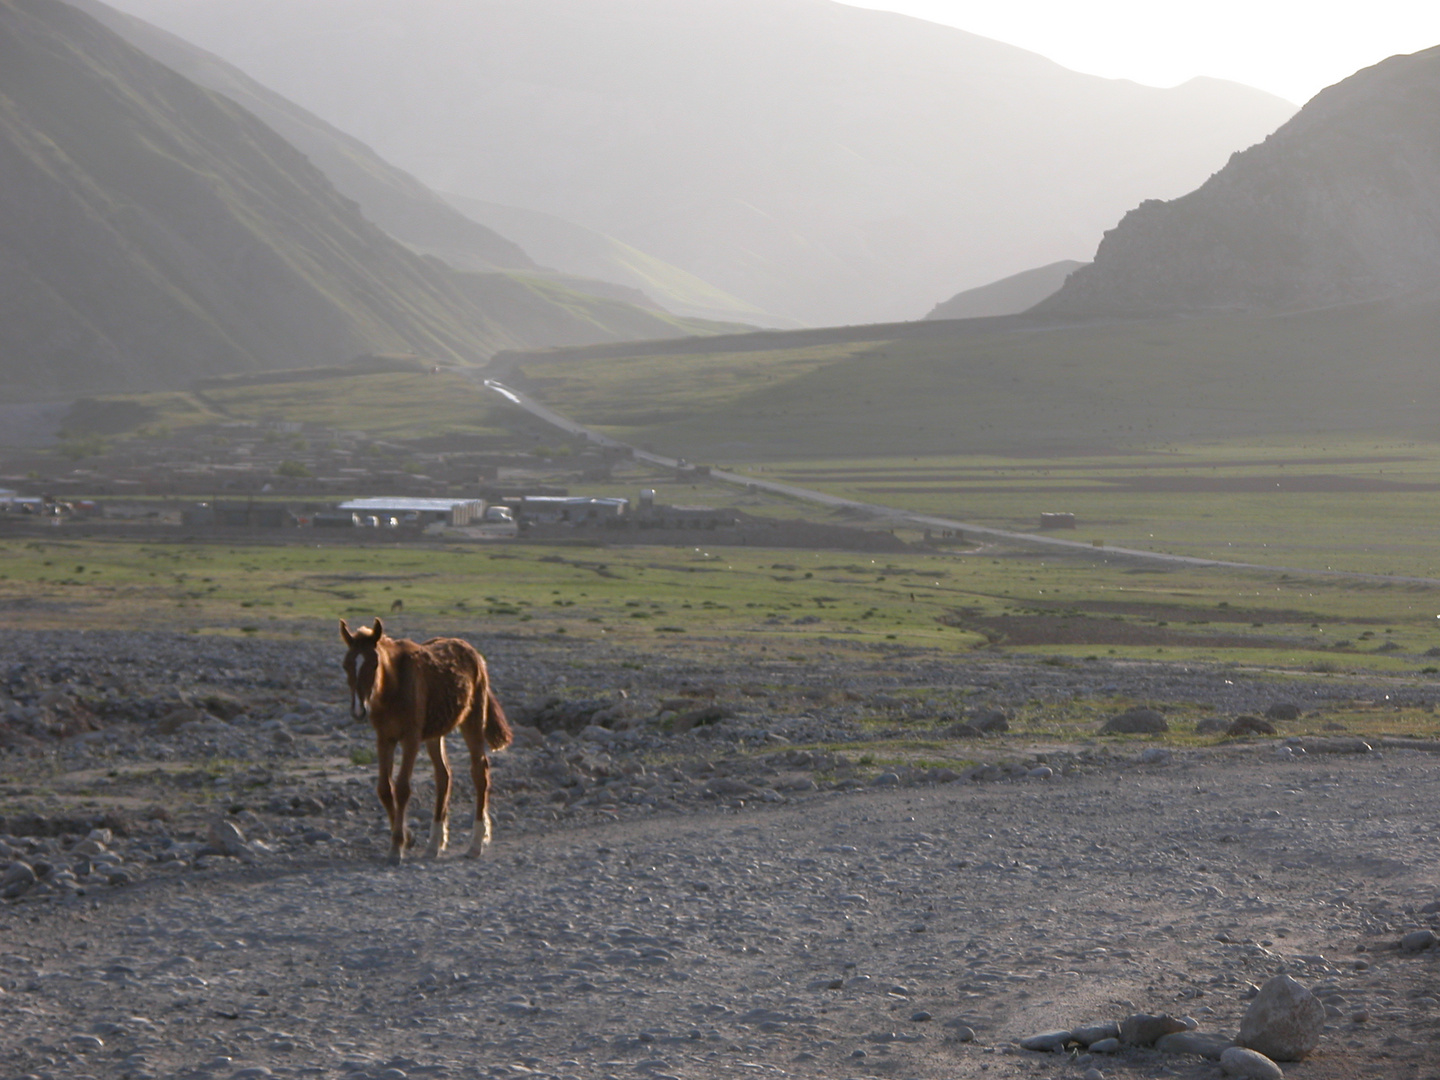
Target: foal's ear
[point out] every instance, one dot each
(378, 629)
(345, 634)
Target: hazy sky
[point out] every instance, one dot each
(1288, 47)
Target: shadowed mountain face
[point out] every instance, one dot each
(1008, 296)
(1341, 204)
(821, 162)
(152, 231)
(389, 197)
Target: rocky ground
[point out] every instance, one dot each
(702, 867)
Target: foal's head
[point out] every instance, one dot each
(362, 664)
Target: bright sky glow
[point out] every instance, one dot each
(1293, 48)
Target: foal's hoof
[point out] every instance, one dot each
(475, 851)
(395, 858)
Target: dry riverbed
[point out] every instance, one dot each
(699, 870)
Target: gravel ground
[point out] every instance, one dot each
(683, 883)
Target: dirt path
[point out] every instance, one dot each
(844, 934)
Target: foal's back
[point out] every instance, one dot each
(442, 677)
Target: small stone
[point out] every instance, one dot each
(1135, 722)
(1094, 1074)
(1143, 1029)
(885, 779)
(1041, 772)
(1283, 711)
(1283, 1022)
(1418, 941)
(1249, 1065)
(1156, 755)
(226, 838)
(964, 1033)
(1105, 1046)
(393, 1074)
(1093, 1033)
(18, 879)
(1249, 725)
(920, 1016)
(1204, 1044)
(1046, 1040)
(1432, 908)
(87, 1043)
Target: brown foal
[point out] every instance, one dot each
(420, 693)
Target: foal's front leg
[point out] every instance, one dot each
(440, 827)
(409, 751)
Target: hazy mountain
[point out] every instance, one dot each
(388, 196)
(818, 161)
(574, 249)
(151, 231)
(1341, 204)
(1008, 296)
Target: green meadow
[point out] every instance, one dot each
(780, 601)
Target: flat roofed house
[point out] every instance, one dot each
(419, 511)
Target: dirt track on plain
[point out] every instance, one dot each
(844, 934)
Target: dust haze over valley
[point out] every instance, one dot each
(954, 537)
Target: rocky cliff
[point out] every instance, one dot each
(1340, 204)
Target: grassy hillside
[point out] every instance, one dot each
(1010, 387)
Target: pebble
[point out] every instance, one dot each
(1046, 1040)
(1093, 1033)
(1418, 941)
(1204, 1044)
(1143, 1029)
(1105, 1046)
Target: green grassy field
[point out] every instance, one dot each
(782, 600)
(1043, 390)
(1356, 505)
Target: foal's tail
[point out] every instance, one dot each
(497, 729)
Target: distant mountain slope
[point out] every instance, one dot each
(426, 221)
(152, 231)
(821, 162)
(574, 249)
(1341, 204)
(1008, 296)
(388, 196)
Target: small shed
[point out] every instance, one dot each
(1057, 521)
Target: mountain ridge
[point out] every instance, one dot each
(823, 163)
(1340, 205)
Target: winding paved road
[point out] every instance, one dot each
(908, 518)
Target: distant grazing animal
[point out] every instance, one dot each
(420, 693)
(397, 606)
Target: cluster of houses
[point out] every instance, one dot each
(500, 518)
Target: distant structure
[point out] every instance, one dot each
(1057, 521)
(415, 511)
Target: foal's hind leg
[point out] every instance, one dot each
(440, 827)
(474, 731)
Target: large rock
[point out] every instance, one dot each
(1283, 1022)
(1135, 722)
